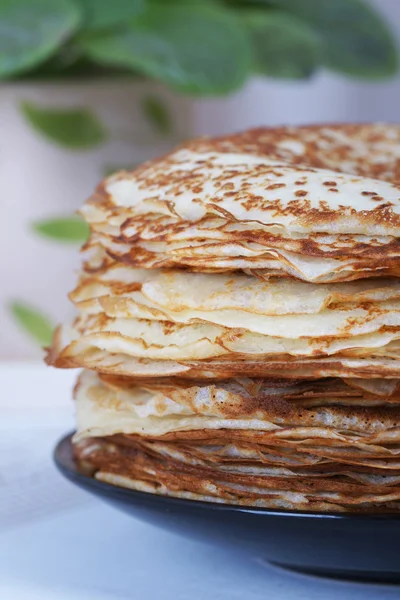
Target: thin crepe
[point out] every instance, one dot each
(108, 407)
(187, 471)
(249, 202)
(134, 315)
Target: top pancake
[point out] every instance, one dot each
(189, 184)
(319, 203)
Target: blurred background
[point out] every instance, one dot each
(89, 87)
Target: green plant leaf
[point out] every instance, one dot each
(100, 14)
(63, 229)
(32, 30)
(75, 128)
(353, 38)
(284, 46)
(199, 49)
(157, 113)
(187, 2)
(33, 322)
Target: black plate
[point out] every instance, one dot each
(354, 547)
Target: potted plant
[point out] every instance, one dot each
(90, 86)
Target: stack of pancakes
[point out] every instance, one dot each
(239, 322)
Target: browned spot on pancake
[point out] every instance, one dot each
(275, 186)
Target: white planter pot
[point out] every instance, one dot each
(41, 178)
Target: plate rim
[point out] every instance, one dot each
(66, 467)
